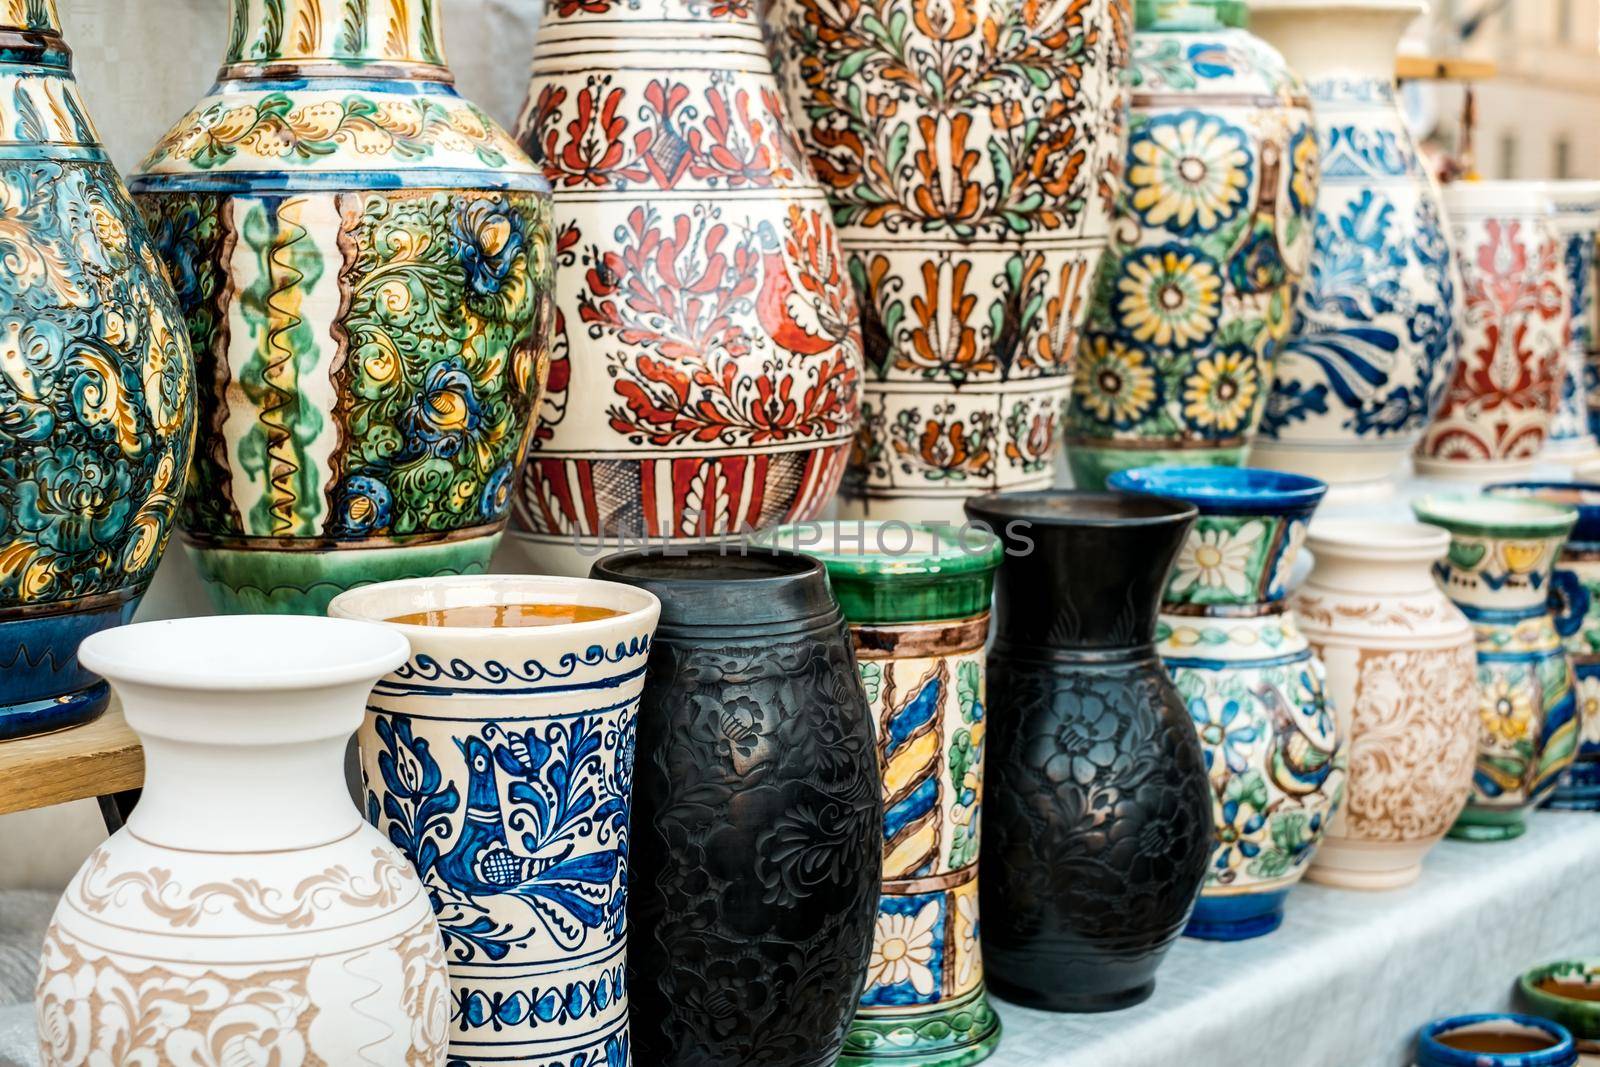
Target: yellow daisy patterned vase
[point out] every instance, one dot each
(1212, 234)
(96, 386)
(1499, 572)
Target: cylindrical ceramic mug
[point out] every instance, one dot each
(1495, 1040)
(499, 759)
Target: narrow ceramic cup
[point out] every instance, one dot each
(1495, 1040)
(1567, 992)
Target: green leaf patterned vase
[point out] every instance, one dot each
(1499, 571)
(1255, 690)
(364, 259)
(96, 386)
(917, 600)
(1212, 234)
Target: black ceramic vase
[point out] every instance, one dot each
(1097, 817)
(757, 815)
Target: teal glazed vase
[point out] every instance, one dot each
(1567, 992)
(1255, 691)
(917, 602)
(1212, 234)
(97, 409)
(1500, 572)
(365, 263)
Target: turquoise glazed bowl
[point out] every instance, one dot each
(1495, 1040)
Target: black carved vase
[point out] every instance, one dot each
(1097, 816)
(757, 815)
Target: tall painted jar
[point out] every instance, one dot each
(707, 356)
(365, 263)
(1370, 352)
(1577, 223)
(1574, 603)
(1212, 234)
(1403, 682)
(969, 149)
(1255, 690)
(1499, 572)
(1097, 819)
(1514, 333)
(917, 600)
(96, 387)
(499, 760)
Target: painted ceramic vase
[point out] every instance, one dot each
(246, 913)
(756, 851)
(1211, 237)
(1577, 224)
(1499, 572)
(1370, 352)
(917, 600)
(499, 761)
(1097, 820)
(1403, 684)
(365, 263)
(1514, 334)
(1574, 603)
(1567, 993)
(1256, 693)
(1496, 1040)
(707, 354)
(96, 387)
(969, 149)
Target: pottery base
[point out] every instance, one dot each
(1063, 1001)
(948, 1035)
(1368, 865)
(562, 557)
(268, 582)
(1365, 465)
(1571, 452)
(1238, 917)
(1579, 788)
(31, 717)
(1092, 465)
(45, 688)
(1484, 824)
(1475, 470)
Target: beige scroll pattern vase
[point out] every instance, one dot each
(247, 914)
(1402, 677)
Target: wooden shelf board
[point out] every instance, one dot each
(1443, 68)
(86, 761)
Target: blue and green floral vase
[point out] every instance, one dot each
(1574, 602)
(1212, 234)
(97, 387)
(1500, 573)
(1256, 692)
(365, 262)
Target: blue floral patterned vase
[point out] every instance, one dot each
(365, 262)
(96, 386)
(1212, 234)
(1255, 690)
(1500, 572)
(1369, 355)
(1577, 224)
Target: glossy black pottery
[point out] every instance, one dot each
(1097, 817)
(757, 816)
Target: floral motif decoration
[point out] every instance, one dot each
(1528, 726)
(1233, 559)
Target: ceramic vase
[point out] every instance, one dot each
(1403, 683)
(1255, 691)
(1577, 224)
(1564, 992)
(1370, 351)
(499, 761)
(96, 387)
(917, 601)
(246, 913)
(1478, 1041)
(969, 150)
(1212, 234)
(707, 354)
(755, 859)
(1574, 603)
(365, 263)
(1498, 410)
(1499, 572)
(1097, 820)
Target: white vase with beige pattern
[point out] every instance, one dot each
(247, 914)
(1402, 676)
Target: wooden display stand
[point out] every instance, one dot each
(101, 759)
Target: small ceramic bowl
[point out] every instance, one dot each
(1495, 1040)
(1568, 992)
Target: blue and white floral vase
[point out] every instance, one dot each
(1577, 223)
(1210, 239)
(1370, 352)
(1255, 690)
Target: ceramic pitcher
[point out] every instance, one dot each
(1403, 683)
(246, 913)
(1577, 224)
(1499, 572)
(499, 760)
(1211, 236)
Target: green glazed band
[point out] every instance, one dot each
(1191, 15)
(1496, 516)
(1582, 1017)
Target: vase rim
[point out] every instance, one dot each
(245, 652)
(930, 550)
(382, 602)
(1572, 1008)
(1495, 516)
(698, 585)
(1226, 490)
(1433, 1053)
(1076, 508)
(1378, 539)
(1583, 496)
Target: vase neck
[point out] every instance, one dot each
(333, 36)
(30, 16)
(1338, 45)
